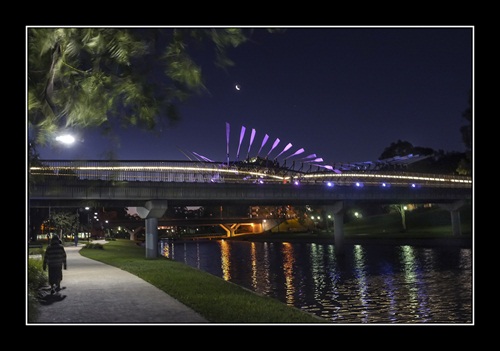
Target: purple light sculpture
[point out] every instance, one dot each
(202, 157)
(242, 135)
(298, 152)
(319, 159)
(264, 141)
(285, 149)
(308, 157)
(252, 136)
(276, 142)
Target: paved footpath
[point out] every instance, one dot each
(97, 293)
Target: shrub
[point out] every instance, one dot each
(37, 278)
(93, 246)
(36, 251)
(33, 306)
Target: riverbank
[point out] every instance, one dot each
(359, 239)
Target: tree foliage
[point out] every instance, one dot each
(404, 148)
(65, 222)
(90, 77)
(439, 161)
(401, 209)
(465, 165)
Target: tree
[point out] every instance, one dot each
(438, 161)
(65, 222)
(399, 148)
(465, 166)
(89, 77)
(401, 209)
(33, 160)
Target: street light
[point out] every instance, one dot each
(89, 229)
(66, 139)
(329, 218)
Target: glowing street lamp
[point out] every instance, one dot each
(329, 218)
(66, 139)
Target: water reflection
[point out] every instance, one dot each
(253, 260)
(225, 259)
(368, 284)
(288, 261)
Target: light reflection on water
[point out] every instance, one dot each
(368, 284)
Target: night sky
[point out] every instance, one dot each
(344, 94)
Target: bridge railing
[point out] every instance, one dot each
(216, 172)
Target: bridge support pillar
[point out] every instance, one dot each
(151, 211)
(152, 237)
(454, 209)
(231, 230)
(338, 226)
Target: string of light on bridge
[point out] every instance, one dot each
(240, 175)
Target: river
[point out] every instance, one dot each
(370, 283)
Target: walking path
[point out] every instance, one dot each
(97, 293)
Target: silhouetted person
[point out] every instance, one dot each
(55, 258)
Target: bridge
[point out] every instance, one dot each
(151, 186)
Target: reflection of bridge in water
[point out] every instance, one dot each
(152, 185)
